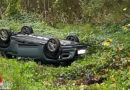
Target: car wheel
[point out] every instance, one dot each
(72, 38)
(4, 38)
(53, 45)
(52, 48)
(26, 30)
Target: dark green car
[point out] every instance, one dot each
(42, 48)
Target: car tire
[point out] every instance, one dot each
(26, 30)
(72, 38)
(5, 35)
(52, 54)
(53, 45)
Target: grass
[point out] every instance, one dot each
(107, 58)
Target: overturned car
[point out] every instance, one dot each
(42, 48)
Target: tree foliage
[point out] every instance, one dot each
(71, 10)
(13, 7)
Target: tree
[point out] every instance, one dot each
(13, 7)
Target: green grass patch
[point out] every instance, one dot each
(107, 58)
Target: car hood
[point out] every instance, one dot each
(39, 39)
